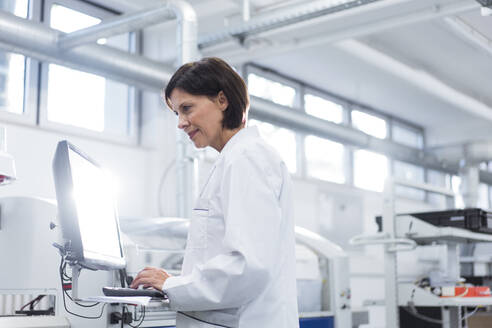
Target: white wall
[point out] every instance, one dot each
(33, 150)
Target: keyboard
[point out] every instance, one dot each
(125, 292)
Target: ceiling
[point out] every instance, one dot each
(426, 61)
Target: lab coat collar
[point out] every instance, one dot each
(244, 133)
(249, 132)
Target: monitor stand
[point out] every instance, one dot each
(75, 281)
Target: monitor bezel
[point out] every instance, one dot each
(67, 212)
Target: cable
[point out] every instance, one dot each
(67, 278)
(64, 301)
(207, 322)
(32, 303)
(471, 313)
(420, 316)
(140, 320)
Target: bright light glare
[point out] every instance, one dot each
(283, 140)
(325, 159)
(21, 8)
(456, 186)
(65, 104)
(268, 89)
(369, 124)
(68, 20)
(14, 84)
(323, 108)
(370, 170)
(93, 193)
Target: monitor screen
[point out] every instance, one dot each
(87, 209)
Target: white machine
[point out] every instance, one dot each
(161, 241)
(30, 267)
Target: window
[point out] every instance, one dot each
(12, 66)
(411, 173)
(283, 140)
(407, 136)
(455, 185)
(323, 108)
(274, 91)
(483, 196)
(87, 101)
(370, 170)
(439, 179)
(369, 124)
(325, 159)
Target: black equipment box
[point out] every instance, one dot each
(474, 219)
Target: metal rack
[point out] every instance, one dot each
(398, 227)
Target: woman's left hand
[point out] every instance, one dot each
(150, 277)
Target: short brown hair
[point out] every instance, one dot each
(207, 77)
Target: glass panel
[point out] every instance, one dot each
(12, 76)
(283, 140)
(12, 66)
(323, 108)
(68, 20)
(107, 107)
(16, 7)
(85, 112)
(455, 185)
(412, 173)
(408, 137)
(439, 179)
(483, 196)
(369, 124)
(275, 91)
(370, 170)
(325, 159)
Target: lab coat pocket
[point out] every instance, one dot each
(197, 235)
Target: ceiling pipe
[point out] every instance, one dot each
(244, 54)
(38, 41)
(117, 25)
(288, 16)
(298, 120)
(418, 77)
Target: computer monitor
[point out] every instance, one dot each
(87, 210)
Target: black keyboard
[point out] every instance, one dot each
(122, 292)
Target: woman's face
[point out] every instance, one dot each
(200, 117)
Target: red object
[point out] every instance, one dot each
(67, 286)
(474, 291)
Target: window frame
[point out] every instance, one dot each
(410, 127)
(272, 76)
(132, 138)
(345, 105)
(380, 116)
(31, 78)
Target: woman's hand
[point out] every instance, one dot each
(150, 277)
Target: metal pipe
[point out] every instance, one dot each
(38, 41)
(187, 177)
(117, 25)
(298, 120)
(376, 25)
(288, 16)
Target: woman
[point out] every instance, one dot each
(239, 264)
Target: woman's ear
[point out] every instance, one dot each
(222, 100)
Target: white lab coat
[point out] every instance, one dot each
(239, 266)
